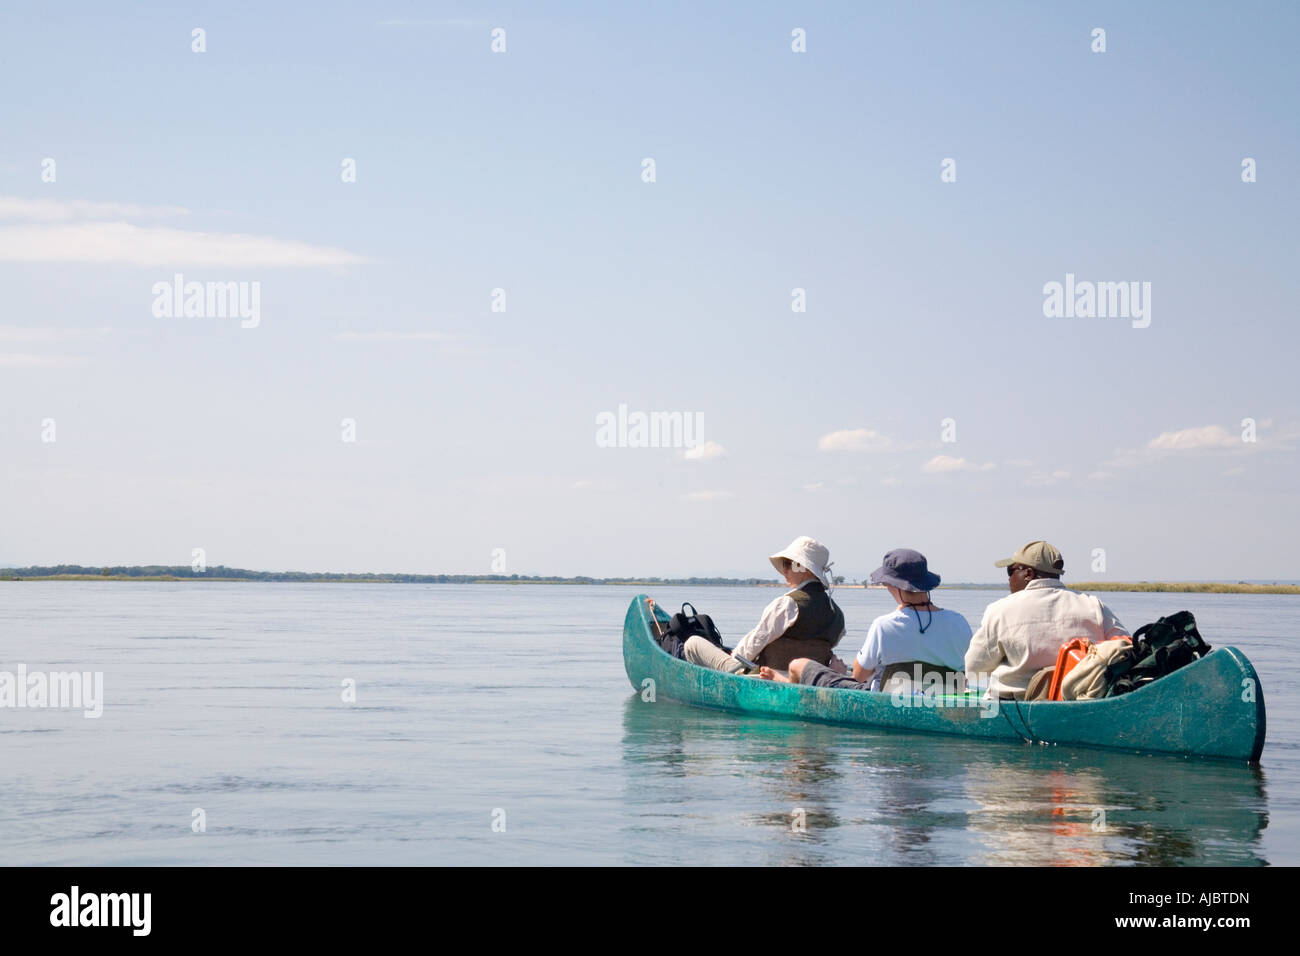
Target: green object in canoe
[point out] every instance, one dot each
(1213, 707)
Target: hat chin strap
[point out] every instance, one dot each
(830, 581)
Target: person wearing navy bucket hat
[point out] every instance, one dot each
(906, 570)
(917, 646)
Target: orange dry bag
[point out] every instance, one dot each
(1071, 653)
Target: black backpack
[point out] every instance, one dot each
(682, 626)
(1159, 648)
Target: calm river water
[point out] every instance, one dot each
(494, 724)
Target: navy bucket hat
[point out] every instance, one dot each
(905, 569)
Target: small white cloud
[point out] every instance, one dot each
(162, 247)
(78, 230)
(704, 451)
(65, 210)
(854, 439)
(1234, 472)
(814, 486)
(891, 480)
(1046, 478)
(1191, 439)
(707, 495)
(944, 463)
(432, 23)
(1021, 463)
(583, 483)
(20, 360)
(36, 333)
(394, 337)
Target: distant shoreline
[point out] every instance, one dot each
(221, 573)
(1187, 587)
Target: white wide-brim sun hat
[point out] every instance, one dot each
(808, 552)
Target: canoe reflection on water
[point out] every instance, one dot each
(750, 789)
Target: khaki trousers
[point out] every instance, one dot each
(702, 652)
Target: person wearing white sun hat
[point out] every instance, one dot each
(803, 622)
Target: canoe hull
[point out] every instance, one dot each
(1213, 707)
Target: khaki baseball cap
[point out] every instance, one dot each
(1038, 555)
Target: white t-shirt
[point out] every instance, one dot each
(896, 637)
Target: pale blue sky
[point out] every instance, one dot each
(774, 170)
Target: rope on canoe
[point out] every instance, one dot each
(1024, 723)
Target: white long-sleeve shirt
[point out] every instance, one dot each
(776, 620)
(1022, 632)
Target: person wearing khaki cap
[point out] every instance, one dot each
(1022, 632)
(804, 622)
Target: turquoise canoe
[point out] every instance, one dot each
(1213, 707)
